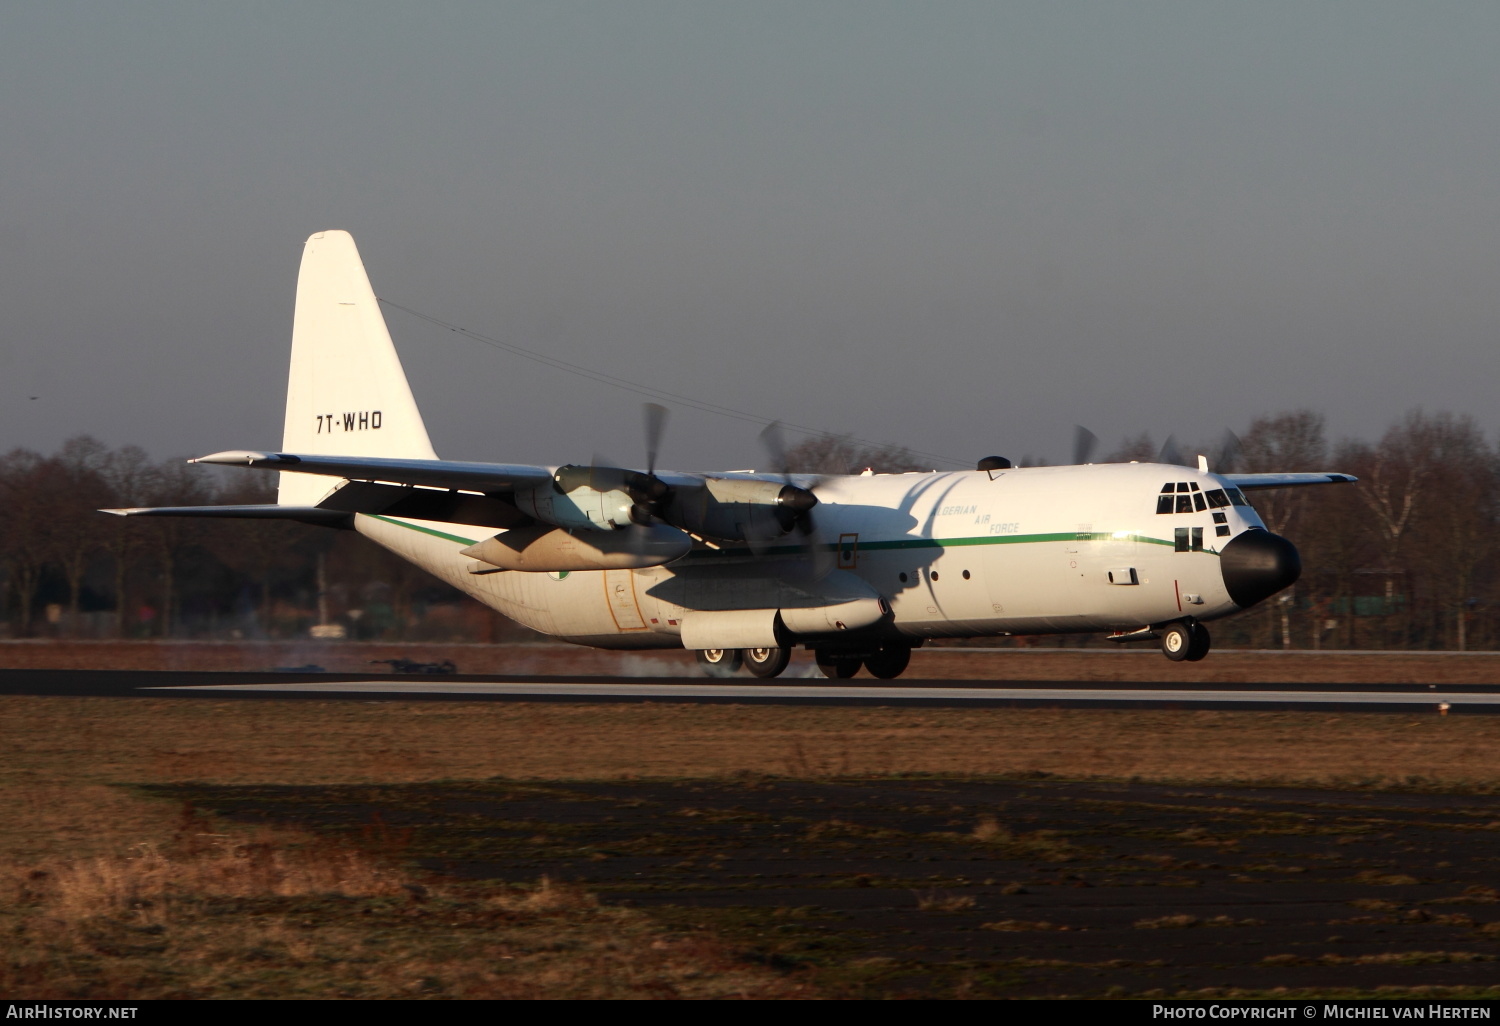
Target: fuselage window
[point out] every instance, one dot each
(1216, 498)
(1180, 539)
(1237, 497)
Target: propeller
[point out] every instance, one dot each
(1084, 442)
(656, 424)
(1221, 458)
(647, 491)
(794, 505)
(1227, 454)
(1170, 453)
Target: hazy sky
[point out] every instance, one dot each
(959, 226)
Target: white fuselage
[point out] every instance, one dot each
(1024, 551)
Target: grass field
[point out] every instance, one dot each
(130, 870)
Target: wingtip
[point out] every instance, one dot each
(235, 457)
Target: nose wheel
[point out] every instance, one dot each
(1185, 641)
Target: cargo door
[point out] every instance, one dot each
(619, 587)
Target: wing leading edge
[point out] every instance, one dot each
(1249, 482)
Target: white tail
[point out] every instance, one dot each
(346, 394)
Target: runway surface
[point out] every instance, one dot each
(946, 693)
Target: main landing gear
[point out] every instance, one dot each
(766, 662)
(1185, 640)
(727, 662)
(884, 662)
(720, 662)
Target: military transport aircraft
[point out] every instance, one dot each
(743, 566)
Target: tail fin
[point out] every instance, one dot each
(346, 394)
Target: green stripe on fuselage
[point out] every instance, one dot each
(946, 543)
(424, 530)
(867, 546)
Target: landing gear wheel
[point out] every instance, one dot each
(890, 662)
(837, 667)
(766, 662)
(1177, 642)
(1200, 644)
(720, 662)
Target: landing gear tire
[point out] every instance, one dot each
(889, 663)
(837, 667)
(1201, 642)
(720, 662)
(1176, 642)
(1185, 641)
(766, 662)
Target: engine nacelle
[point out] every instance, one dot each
(735, 509)
(543, 548)
(590, 498)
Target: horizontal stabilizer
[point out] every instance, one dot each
(478, 477)
(1252, 481)
(304, 514)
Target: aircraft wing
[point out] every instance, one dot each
(1247, 482)
(444, 490)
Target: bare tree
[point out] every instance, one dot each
(127, 474)
(75, 489)
(24, 542)
(841, 454)
(1140, 449)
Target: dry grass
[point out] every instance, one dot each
(64, 754)
(942, 901)
(281, 914)
(104, 896)
(56, 744)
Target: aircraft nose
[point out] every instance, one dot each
(1257, 565)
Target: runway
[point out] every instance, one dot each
(945, 693)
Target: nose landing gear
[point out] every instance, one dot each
(1185, 640)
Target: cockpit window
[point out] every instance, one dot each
(1187, 497)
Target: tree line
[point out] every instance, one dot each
(1406, 558)
(67, 570)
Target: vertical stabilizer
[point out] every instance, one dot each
(346, 394)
